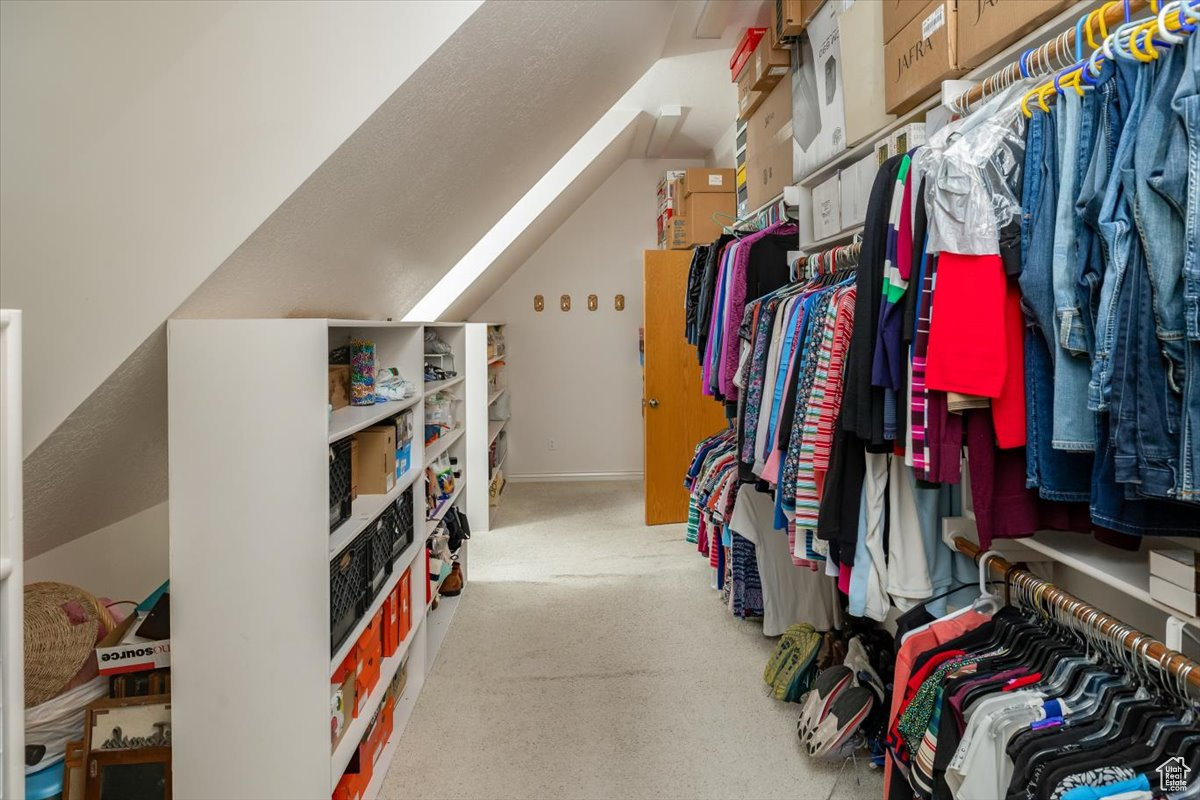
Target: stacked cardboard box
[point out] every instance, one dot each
(708, 205)
(668, 200)
(929, 42)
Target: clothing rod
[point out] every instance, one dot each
(1109, 627)
(1047, 58)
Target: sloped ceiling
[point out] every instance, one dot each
(372, 229)
(141, 143)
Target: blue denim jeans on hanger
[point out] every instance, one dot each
(1115, 504)
(1073, 426)
(1058, 475)
(1186, 105)
(1160, 186)
(1116, 229)
(1106, 113)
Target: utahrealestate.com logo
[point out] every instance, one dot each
(1173, 775)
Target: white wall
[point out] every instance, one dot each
(576, 377)
(141, 143)
(124, 561)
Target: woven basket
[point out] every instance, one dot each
(57, 643)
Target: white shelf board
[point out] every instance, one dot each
(439, 625)
(444, 506)
(369, 323)
(829, 241)
(402, 563)
(365, 509)
(496, 358)
(433, 387)
(494, 396)
(350, 419)
(500, 463)
(442, 444)
(1128, 573)
(358, 726)
(494, 428)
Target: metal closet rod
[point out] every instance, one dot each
(1107, 626)
(1045, 58)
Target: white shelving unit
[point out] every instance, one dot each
(12, 583)
(251, 549)
(479, 363)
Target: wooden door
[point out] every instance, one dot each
(675, 413)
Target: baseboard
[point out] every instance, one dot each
(633, 475)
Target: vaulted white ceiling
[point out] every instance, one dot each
(472, 130)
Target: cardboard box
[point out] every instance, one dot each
(342, 706)
(391, 622)
(1180, 567)
(790, 17)
(855, 190)
(370, 656)
(921, 56)
(862, 24)
(985, 27)
(701, 227)
(399, 681)
(339, 385)
(748, 99)
(769, 66)
(697, 225)
(351, 786)
(769, 161)
(700, 180)
(377, 459)
(744, 51)
(827, 208)
(405, 591)
(123, 651)
(1176, 597)
(818, 91)
(677, 192)
(907, 137)
(664, 188)
(897, 14)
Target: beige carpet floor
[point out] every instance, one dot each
(590, 658)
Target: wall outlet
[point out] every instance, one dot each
(551, 444)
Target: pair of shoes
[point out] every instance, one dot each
(842, 697)
(453, 585)
(433, 373)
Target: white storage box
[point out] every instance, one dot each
(827, 208)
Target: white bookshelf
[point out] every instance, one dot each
(250, 548)
(479, 363)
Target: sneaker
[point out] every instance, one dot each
(842, 721)
(829, 684)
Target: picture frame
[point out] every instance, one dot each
(129, 723)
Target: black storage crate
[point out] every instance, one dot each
(397, 520)
(379, 544)
(339, 483)
(349, 575)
